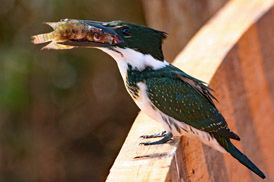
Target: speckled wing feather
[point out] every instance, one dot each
(184, 98)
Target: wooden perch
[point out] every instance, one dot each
(234, 53)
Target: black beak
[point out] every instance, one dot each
(106, 33)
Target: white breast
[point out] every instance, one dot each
(170, 124)
(147, 107)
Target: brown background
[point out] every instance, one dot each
(63, 114)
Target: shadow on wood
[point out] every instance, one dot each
(233, 52)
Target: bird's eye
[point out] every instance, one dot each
(126, 31)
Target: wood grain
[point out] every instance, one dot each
(233, 52)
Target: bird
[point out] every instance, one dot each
(184, 105)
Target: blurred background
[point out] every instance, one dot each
(65, 114)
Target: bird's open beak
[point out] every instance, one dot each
(102, 36)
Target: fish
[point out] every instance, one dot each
(69, 31)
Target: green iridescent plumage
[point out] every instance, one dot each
(188, 102)
(141, 38)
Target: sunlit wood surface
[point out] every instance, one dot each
(234, 53)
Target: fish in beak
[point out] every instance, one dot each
(70, 33)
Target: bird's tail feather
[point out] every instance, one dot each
(230, 148)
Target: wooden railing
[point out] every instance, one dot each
(234, 53)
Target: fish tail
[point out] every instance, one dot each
(53, 25)
(42, 38)
(55, 45)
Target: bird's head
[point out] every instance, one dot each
(128, 36)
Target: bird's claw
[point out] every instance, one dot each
(165, 139)
(156, 135)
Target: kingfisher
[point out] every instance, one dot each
(181, 103)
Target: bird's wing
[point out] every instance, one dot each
(186, 100)
(196, 84)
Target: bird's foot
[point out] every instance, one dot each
(167, 137)
(155, 135)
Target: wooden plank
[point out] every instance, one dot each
(215, 39)
(136, 162)
(217, 54)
